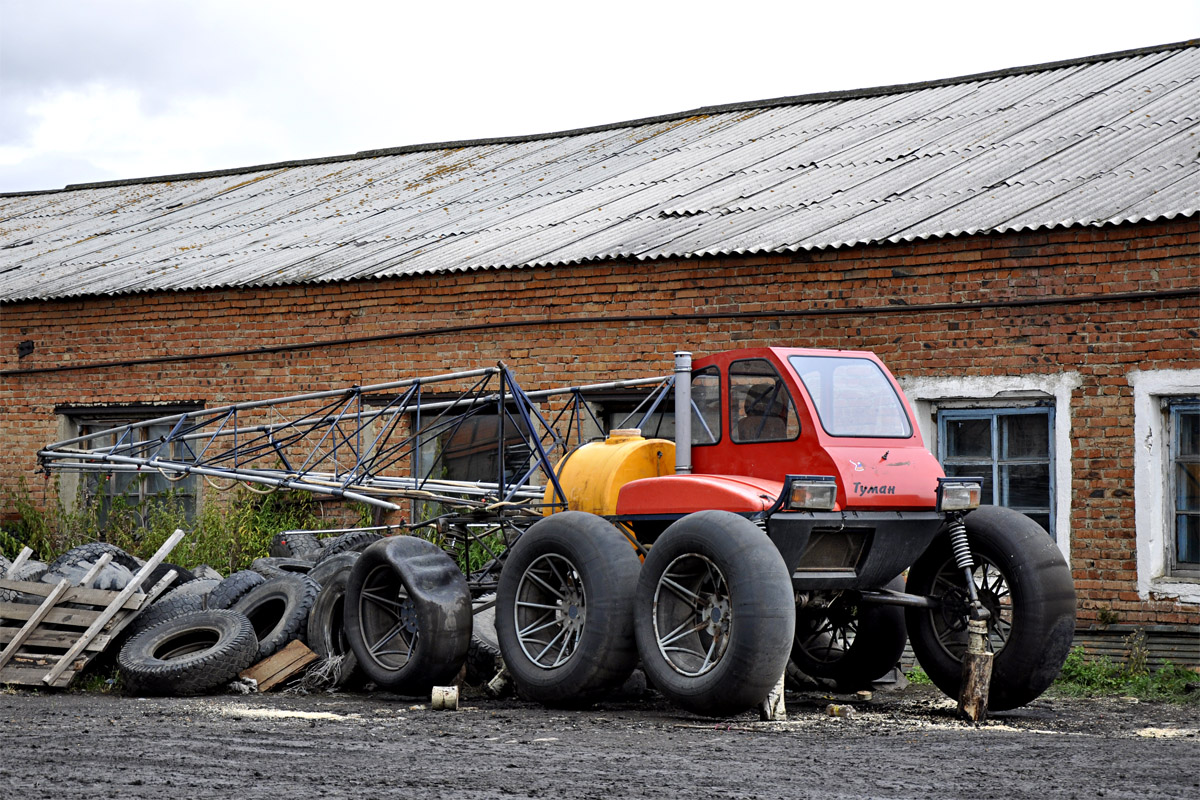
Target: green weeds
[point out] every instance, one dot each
(230, 531)
(1096, 676)
(917, 677)
(1087, 676)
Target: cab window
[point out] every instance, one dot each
(760, 408)
(852, 397)
(706, 406)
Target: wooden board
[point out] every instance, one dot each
(274, 670)
(75, 594)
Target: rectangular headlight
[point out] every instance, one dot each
(959, 494)
(811, 492)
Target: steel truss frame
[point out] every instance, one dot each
(369, 444)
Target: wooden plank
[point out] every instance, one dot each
(32, 675)
(31, 624)
(101, 562)
(78, 617)
(114, 607)
(54, 640)
(76, 594)
(22, 557)
(274, 670)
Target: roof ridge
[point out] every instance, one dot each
(702, 111)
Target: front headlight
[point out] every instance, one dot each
(958, 494)
(810, 492)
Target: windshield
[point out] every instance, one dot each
(853, 397)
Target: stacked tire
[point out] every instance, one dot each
(202, 634)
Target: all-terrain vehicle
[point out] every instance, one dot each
(775, 529)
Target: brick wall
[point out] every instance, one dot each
(1099, 302)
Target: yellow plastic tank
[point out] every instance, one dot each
(591, 476)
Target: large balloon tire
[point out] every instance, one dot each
(1026, 585)
(90, 553)
(564, 610)
(332, 567)
(354, 541)
(75, 563)
(234, 588)
(714, 614)
(850, 643)
(163, 609)
(275, 566)
(295, 544)
(408, 615)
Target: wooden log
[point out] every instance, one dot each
(976, 674)
(274, 670)
(773, 709)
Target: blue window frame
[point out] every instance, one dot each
(1184, 477)
(1011, 449)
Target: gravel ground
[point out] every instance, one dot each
(904, 744)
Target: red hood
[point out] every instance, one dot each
(886, 477)
(684, 494)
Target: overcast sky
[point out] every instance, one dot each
(93, 91)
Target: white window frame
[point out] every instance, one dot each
(928, 395)
(1153, 509)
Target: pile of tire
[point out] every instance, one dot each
(202, 633)
(358, 600)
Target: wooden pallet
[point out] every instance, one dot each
(49, 643)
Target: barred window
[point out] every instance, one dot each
(1011, 449)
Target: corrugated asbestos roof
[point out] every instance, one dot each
(1104, 140)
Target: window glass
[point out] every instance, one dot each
(1185, 476)
(853, 397)
(1024, 436)
(135, 494)
(760, 407)
(1009, 449)
(970, 438)
(706, 406)
(467, 448)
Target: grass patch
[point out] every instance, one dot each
(1087, 676)
(917, 677)
(229, 532)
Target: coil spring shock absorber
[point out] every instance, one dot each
(961, 549)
